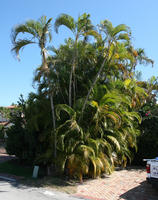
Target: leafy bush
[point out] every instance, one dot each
(19, 141)
(1, 132)
(27, 138)
(148, 139)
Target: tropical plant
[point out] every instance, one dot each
(80, 28)
(40, 33)
(92, 89)
(112, 36)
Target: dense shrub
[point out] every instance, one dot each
(27, 138)
(19, 141)
(1, 132)
(148, 139)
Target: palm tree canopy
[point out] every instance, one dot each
(38, 32)
(65, 20)
(120, 32)
(82, 26)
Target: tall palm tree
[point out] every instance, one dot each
(81, 27)
(39, 33)
(112, 36)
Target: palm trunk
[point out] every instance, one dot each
(72, 79)
(45, 65)
(70, 87)
(92, 86)
(54, 124)
(95, 80)
(72, 75)
(54, 130)
(74, 86)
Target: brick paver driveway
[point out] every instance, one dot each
(121, 185)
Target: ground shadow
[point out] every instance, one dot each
(131, 168)
(57, 183)
(142, 192)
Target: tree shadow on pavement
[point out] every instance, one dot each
(142, 192)
(131, 168)
(56, 183)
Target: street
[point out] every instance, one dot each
(14, 191)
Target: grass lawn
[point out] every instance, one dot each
(13, 167)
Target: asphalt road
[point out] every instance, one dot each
(14, 191)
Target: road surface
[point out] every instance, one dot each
(14, 191)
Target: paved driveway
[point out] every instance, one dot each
(121, 185)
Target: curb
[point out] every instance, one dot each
(7, 179)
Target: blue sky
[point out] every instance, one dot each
(16, 77)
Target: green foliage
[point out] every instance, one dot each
(5, 112)
(93, 93)
(1, 132)
(15, 168)
(39, 32)
(148, 139)
(29, 130)
(19, 142)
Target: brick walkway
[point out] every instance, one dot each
(121, 185)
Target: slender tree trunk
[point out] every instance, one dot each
(45, 65)
(72, 80)
(54, 130)
(92, 86)
(95, 80)
(75, 66)
(70, 87)
(72, 75)
(54, 124)
(74, 86)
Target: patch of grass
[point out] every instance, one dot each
(13, 167)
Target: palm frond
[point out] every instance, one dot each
(114, 141)
(121, 28)
(19, 45)
(23, 28)
(106, 26)
(123, 36)
(65, 20)
(65, 108)
(93, 33)
(133, 115)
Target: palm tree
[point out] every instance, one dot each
(112, 36)
(40, 34)
(78, 150)
(101, 139)
(81, 27)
